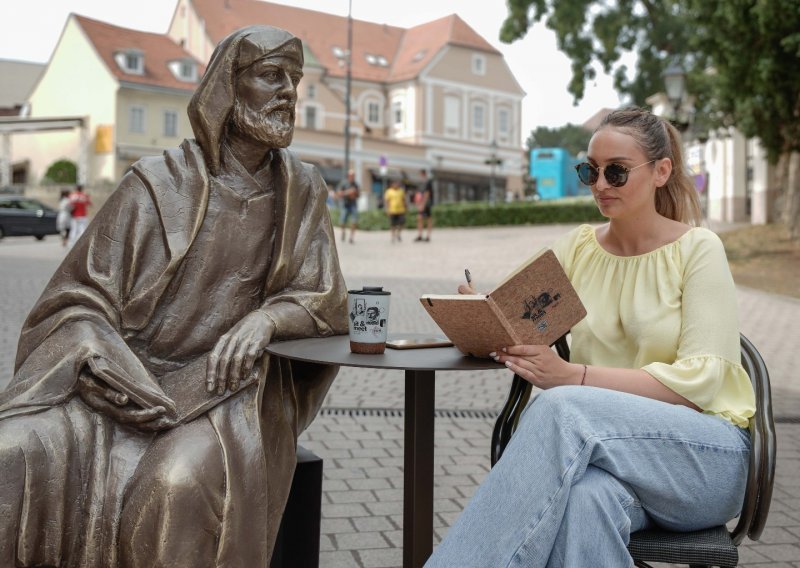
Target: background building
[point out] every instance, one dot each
(436, 96)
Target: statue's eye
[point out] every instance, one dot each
(271, 75)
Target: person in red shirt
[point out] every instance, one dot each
(80, 202)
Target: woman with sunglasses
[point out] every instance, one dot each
(647, 423)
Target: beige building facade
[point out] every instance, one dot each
(435, 97)
(432, 97)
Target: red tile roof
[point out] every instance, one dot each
(421, 43)
(158, 50)
(406, 51)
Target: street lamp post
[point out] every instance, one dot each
(675, 83)
(492, 162)
(348, 81)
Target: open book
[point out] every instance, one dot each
(535, 305)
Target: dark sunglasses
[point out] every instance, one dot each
(616, 174)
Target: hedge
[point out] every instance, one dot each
(479, 214)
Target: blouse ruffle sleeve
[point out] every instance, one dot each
(706, 370)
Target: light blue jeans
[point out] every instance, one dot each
(587, 467)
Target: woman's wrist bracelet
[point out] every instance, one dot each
(583, 378)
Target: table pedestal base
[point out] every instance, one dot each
(418, 468)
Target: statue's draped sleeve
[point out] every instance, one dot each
(108, 287)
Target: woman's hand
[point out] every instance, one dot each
(466, 289)
(540, 366)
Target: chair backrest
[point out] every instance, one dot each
(760, 477)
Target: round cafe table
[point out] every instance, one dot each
(420, 366)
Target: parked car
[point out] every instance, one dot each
(20, 216)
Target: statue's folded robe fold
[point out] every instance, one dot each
(112, 286)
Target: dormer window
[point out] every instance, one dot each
(478, 64)
(377, 60)
(184, 70)
(130, 61)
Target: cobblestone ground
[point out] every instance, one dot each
(359, 432)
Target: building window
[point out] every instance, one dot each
(170, 123)
(184, 70)
(478, 64)
(130, 61)
(397, 113)
(311, 91)
(311, 117)
(478, 118)
(503, 122)
(373, 112)
(378, 60)
(136, 119)
(187, 69)
(452, 114)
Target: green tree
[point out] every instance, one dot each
(574, 138)
(595, 32)
(742, 57)
(752, 49)
(62, 172)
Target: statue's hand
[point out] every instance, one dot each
(118, 406)
(234, 355)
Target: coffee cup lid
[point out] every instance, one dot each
(371, 291)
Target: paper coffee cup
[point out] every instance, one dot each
(368, 314)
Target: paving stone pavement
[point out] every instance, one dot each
(359, 431)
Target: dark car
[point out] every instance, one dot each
(21, 216)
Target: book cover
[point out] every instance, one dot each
(534, 305)
(187, 388)
(182, 392)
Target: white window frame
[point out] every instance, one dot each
(170, 117)
(452, 115)
(137, 117)
(478, 64)
(370, 105)
(398, 113)
(504, 128)
(131, 61)
(477, 130)
(317, 112)
(187, 70)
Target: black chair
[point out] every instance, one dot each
(297, 544)
(711, 547)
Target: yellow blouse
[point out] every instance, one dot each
(671, 312)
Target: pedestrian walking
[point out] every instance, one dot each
(424, 203)
(80, 202)
(394, 200)
(64, 218)
(348, 198)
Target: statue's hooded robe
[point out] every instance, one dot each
(68, 470)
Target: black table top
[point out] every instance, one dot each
(335, 350)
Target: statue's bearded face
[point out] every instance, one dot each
(266, 95)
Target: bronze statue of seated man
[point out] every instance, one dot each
(144, 425)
